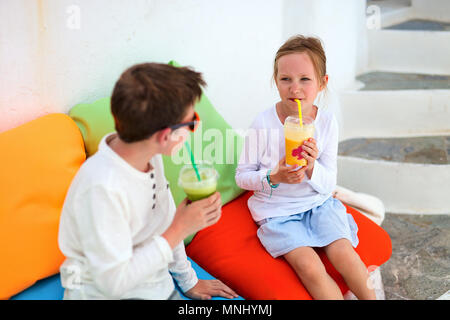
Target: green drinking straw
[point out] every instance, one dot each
(188, 147)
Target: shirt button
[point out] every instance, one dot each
(154, 186)
(152, 175)
(154, 196)
(154, 205)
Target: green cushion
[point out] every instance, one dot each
(94, 120)
(221, 145)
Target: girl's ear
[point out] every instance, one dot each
(276, 83)
(324, 83)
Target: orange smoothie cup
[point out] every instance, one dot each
(294, 136)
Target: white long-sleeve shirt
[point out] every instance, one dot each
(264, 147)
(110, 232)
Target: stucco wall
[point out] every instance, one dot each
(57, 53)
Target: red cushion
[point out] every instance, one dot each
(231, 251)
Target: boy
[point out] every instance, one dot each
(120, 230)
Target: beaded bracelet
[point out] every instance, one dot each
(273, 186)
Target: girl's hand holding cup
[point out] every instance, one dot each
(287, 174)
(310, 153)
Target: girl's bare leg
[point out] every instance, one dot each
(348, 263)
(311, 271)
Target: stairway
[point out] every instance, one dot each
(395, 136)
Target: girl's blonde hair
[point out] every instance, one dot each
(312, 47)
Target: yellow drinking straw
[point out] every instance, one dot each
(299, 103)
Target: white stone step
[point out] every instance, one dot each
(390, 11)
(397, 113)
(409, 51)
(432, 9)
(445, 296)
(414, 188)
(403, 187)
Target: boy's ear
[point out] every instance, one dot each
(163, 136)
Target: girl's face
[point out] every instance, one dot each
(296, 79)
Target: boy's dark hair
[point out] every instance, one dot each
(149, 97)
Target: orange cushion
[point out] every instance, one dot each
(231, 251)
(39, 160)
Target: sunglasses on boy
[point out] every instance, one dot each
(192, 125)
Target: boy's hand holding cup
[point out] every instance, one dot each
(192, 217)
(197, 215)
(203, 205)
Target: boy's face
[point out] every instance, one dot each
(176, 138)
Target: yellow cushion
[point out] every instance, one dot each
(38, 162)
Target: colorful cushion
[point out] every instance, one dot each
(231, 251)
(39, 161)
(214, 140)
(46, 289)
(94, 120)
(201, 274)
(51, 289)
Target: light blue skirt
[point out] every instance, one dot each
(317, 227)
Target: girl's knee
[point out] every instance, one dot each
(340, 247)
(309, 268)
(341, 252)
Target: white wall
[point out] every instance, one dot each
(47, 65)
(339, 24)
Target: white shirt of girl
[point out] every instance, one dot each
(264, 147)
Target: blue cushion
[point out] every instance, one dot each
(202, 274)
(50, 288)
(45, 289)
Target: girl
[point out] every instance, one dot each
(293, 206)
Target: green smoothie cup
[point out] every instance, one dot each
(198, 189)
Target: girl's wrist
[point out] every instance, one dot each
(309, 172)
(273, 179)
